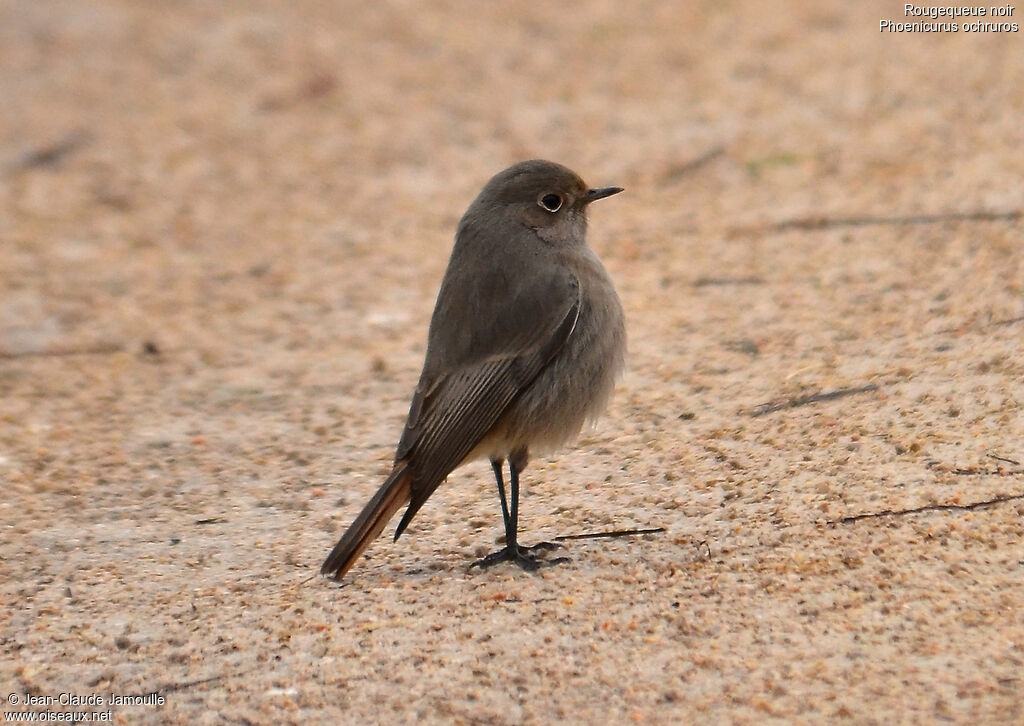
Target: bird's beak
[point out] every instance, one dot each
(594, 194)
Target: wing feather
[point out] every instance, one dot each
(451, 415)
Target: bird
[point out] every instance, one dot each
(525, 345)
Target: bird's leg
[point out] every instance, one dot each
(496, 465)
(512, 552)
(513, 471)
(512, 524)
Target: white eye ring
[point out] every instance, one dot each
(550, 202)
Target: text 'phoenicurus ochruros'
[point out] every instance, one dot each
(525, 343)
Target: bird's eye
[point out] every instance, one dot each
(550, 202)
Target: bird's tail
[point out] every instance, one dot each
(395, 492)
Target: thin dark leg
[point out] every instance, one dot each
(513, 472)
(512, 525)
(512, 552)
(496, 466)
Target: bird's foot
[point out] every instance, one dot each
(521, 556)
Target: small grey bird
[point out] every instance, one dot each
(525, 343)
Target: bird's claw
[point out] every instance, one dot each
(521, 556)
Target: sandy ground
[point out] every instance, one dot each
(222, 227)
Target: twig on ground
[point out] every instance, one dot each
(931, 508)
(721, 281)
(1003, 458)
(974, 471)
(173, 687)
(617, 533)
(101, 349)
(51, 154)
(766, 408)
(680, 170)
(1007, 321)
(984, 326)
(807, 224)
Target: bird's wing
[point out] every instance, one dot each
(514, 336)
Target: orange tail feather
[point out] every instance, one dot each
(393, 494)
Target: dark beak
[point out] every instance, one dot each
(594, 194)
